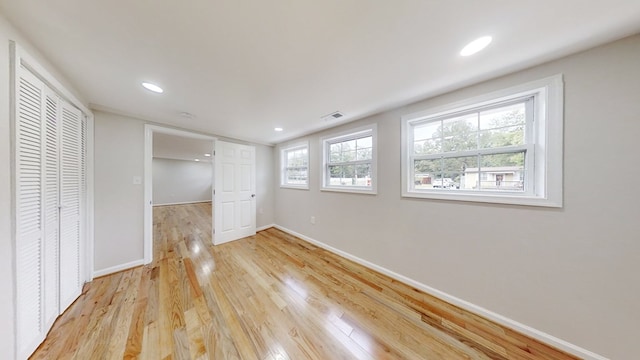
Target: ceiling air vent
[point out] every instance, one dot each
(332, 116)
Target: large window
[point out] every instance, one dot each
(504, 147)
(294, 160)
(349, 161)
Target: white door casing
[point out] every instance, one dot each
(235, 192)
(149, 132)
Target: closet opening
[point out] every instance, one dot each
(52, 154)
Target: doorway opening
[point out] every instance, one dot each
(179, 177)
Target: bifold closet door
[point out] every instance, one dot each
(29, 202)
(50, 188)
(51, 178)
(71, 199)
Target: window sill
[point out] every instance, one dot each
(295, 187)
(492, 198)
(350, 190)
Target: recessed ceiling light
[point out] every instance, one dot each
(207, 154)
(278, 129)
(476, 45)
(196, 159)
(152, 87)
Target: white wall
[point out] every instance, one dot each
(119, 204)
(181, 181)
(7, 300)
(265, 182)
(570, 272)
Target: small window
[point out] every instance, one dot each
(349, 162)
(505, 147)
(294, 160)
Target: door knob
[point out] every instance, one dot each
(253, 195)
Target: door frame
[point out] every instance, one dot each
(149, 130)
(19, 58)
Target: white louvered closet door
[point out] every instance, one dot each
(51, 178)
(50, 161)
(71, 199)
(29, 213)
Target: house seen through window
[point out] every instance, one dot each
(503, 147)
(482, 150)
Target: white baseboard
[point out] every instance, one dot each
(478, 310)
(265, 227)
(183, 203)
(115, 269)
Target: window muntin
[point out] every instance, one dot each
(501, 147)
(349, 162)
(295, 166)
(454, 152)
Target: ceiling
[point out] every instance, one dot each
(242, 68)
(181, 148)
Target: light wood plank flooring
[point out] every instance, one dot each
(269, 296)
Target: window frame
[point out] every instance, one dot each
(543, 145)
(352, 134)
(284, 150)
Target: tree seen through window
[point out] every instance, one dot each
(503, 127)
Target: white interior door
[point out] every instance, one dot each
(71, 194)
(51, 179)
(50, 190)
(29, 198)
(235, 192)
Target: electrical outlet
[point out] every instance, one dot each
(313, 220)
(137, 180)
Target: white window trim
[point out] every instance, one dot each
(347, 135)
(283, 150)
(549, 120)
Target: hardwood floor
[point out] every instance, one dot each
(269, 296)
